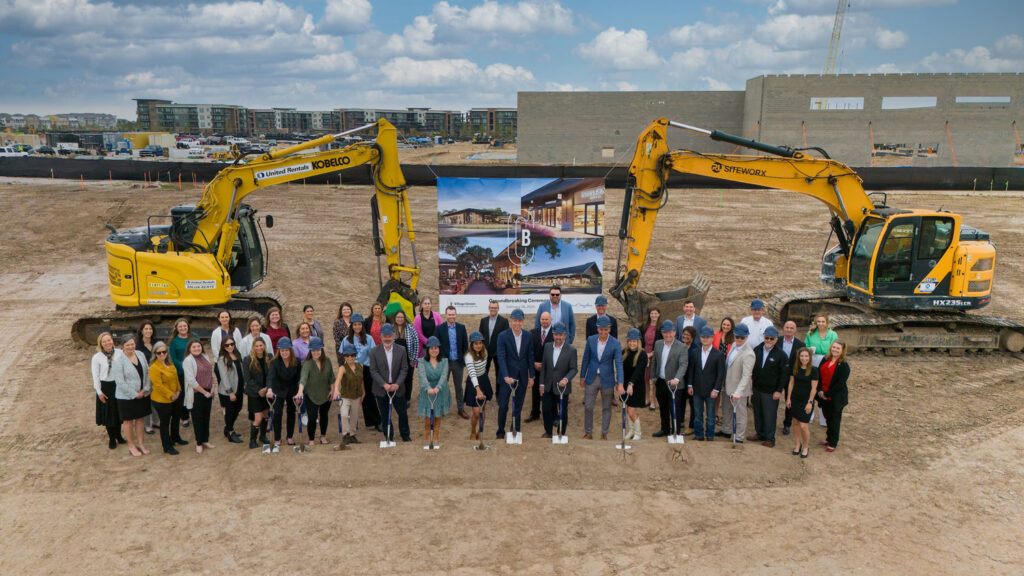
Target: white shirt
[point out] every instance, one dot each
(519, 340)
(664, 359)
(600, 351)
(704, 353)
(686, 322)
(787, 346)
(555, 351)
(100, 371)
(733, 352)
(556, 313)
(388, 352)
(757, 328)
(491, 322)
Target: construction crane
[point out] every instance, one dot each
(833, 47)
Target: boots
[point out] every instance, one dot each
(636, 429)
(252, 437)
(263, 433)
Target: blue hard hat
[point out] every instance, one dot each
(771, 332)
(433, 341)
(357, 317)
(476, 337)
(757, 304)
(517, 314)
(604, 322)
(633, 334)
(348, 349)
(707, 332)
(387, 330)
(315, 344)
(284, 343)
(668, 326)
(741, 331)
(601, 301)
(559, 328)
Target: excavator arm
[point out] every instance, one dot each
(830, 182)
(217, 226)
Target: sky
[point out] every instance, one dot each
(570, 255)
(61, 56)
(485, 193)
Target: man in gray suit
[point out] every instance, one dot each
(738, 384)
(689, 318)
(557, 370)
(668, 365)
(389, 363)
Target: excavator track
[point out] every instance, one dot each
(122, 321)
(893, 331)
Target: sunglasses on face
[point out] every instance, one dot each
(770, 338)
(229, 344)
(161, 352)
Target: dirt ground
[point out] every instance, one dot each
(928, 478)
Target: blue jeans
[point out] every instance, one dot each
(703, 417)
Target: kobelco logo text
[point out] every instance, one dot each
(331, 163)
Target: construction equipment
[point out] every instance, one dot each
(895, 279)
(213, 254)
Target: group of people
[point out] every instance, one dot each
(286, 375)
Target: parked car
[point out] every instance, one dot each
(45, 150)
(11, 152)
(151, 150)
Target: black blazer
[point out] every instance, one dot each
(461, 344)
(710, 377)
(592, 327)
(838, 390)
(773, 376)
(797, 344)
(538, 346)
(500, 325)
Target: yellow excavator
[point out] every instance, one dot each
(211, 255)
(895, 279)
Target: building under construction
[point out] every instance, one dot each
(860, 119)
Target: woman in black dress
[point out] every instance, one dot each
(104, 386)
(144, 343)
(478, 385)
(634, 368)
(256, 372)
(803, 385)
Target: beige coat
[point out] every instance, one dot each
(738, 375)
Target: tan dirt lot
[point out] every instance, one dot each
(929, 476)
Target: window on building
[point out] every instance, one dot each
(837, 103)
(608, 152)
(982, 99)
(908, 102)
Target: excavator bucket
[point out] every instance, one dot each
(637, 303)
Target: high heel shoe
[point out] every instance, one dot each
(797, 451)
(803, 455)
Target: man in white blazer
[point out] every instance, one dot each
(739, 373)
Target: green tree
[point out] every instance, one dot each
(452, 245)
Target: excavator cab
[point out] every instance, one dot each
(248, 264)
(920, 260)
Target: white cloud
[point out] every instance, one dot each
(347, 15)
(453, 73)
(520, 19)
(268, 15)
(322, 63)
(829, 6)
(417, 39)
(560, 87)
(701, 33)
(1009, 46)
(795, 31)
(890, 39)
(620, 50)
(623, 86)
(714, 84)
(976, 59)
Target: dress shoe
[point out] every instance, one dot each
(709, 439)
(499, 435)
(406, 439)
(546, 436)
(112, 444)
(172, 451)
(150, 431)
(755, 438)
(722, 434)
(181, 442)
(768, 443)
(463, 415)
(604, 436)
(588, 437)
(785, 430)
(532, 418)
(121, 440)
(662, 434)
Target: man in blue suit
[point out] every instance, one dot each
(601, 372)
(690, 318)
(559, 311)
(454, 344)
(515, 362)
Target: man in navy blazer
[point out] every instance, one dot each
(455, 352)
(601, 372)
(601, 304)
(707, 374)
(515, 363)
(689, 318)
(559, 311)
